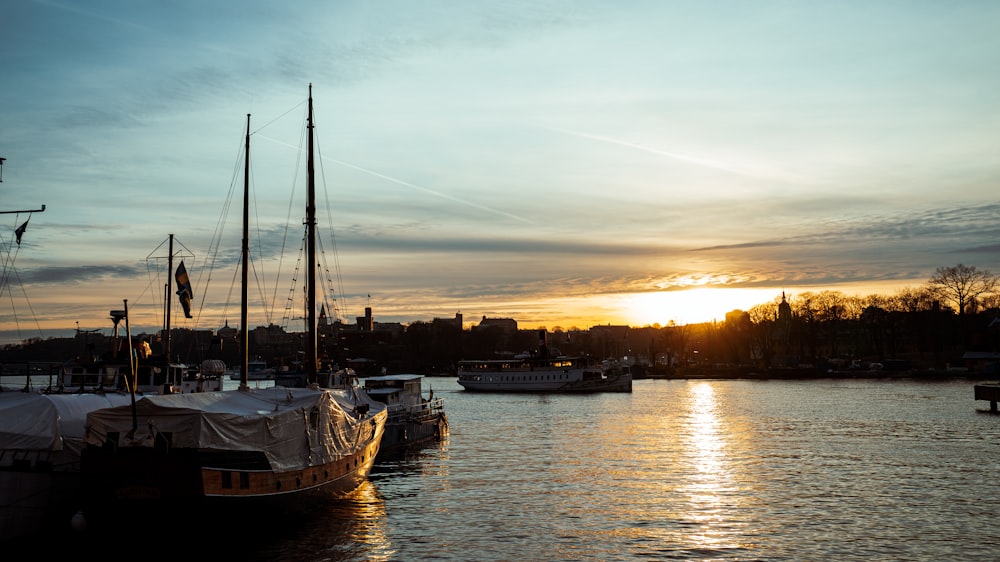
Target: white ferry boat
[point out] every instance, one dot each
(543, 374)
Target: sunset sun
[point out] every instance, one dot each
(692, 305)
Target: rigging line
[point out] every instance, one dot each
(214, 251)
(153, 276)
(325, 281)
(8, 262)
(177, 242)
(166, 260)
(288, 220)
(27, 301)
(339, 288)
(293, 290)
(259, 276)
(229, 296)
(261, 290)
(416, 187)
(9, 257)
(13, 310)
(272, 121)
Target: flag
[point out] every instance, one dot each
(184, 289)
(20, 230)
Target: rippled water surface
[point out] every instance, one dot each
(685, 470)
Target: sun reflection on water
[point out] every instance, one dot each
(709, 482)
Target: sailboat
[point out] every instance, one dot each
(238, 449)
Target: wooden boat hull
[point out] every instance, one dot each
(227, 451)
(159, 487)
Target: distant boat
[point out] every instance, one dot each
(413, 419)
(542, 374)
(544, 371)
(257, 370)
(232, 450)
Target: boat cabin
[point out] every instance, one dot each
(402, 389)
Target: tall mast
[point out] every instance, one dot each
(244, 332)
(311, 353)
(166, 320)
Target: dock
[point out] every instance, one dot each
(989, 391)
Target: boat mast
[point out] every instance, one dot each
(166, 317)
(244, 333)
(311, 354)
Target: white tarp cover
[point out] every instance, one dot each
(33, 421)
(274, 420)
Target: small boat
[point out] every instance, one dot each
(233, 451)
(152, 374)
(257, 370)
(413, 419)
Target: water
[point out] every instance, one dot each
(684, 470)
(676, 470)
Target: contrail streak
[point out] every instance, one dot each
(408, 184)
(674, 155)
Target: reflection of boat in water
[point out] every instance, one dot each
(257, 370)
(354, 527)
(412, 419)
(238, 450)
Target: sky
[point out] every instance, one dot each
(563, 163)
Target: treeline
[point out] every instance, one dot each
(932, 326)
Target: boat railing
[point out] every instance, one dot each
(428, 410)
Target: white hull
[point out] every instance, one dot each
(568, 375)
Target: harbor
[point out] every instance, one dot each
(690, 470)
